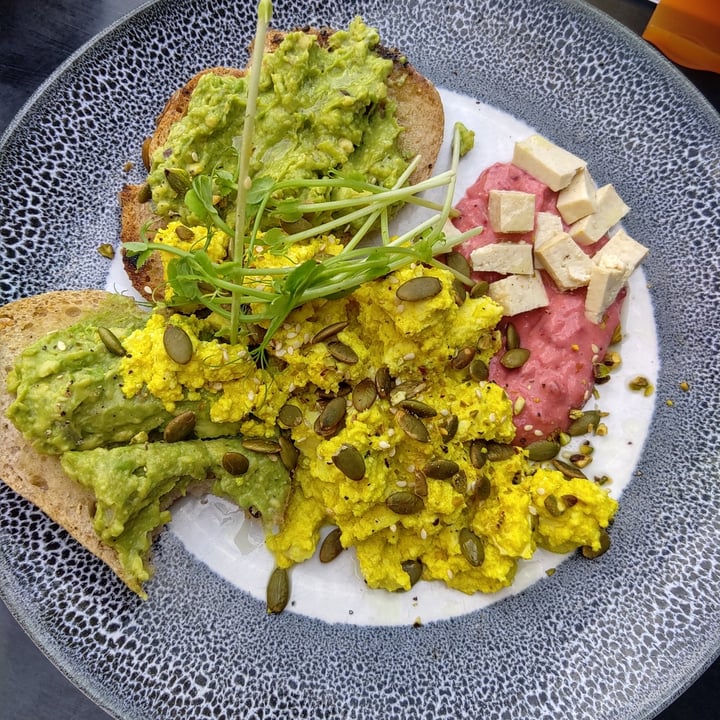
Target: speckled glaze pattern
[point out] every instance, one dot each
(615, 639)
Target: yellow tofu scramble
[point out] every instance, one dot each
(396, 438)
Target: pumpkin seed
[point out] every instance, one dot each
(584, 424)
(265, 446)
(289, 454)
(497, 452)
(458, 262)
(383, 382)
(406, 391)
(146, 153)
(290, 415)
(418, 408)
(419, 288)
(463, 357)
(235, 463)
(479, 370)
(106, 250)
(568, 470)
(553, 506)
(479, 289)
(569, 500)
(111, 342)
(541, 450)
(448, 427)
(178, 179)
(414, 568)
(331, 546)
(420, 484)
(342, 352)
(184, 233)
(459, 482)
(588, 552)
(515, 358)
(179, 427)
(329, 331)
(459, 291)
(364, 395)
(278, 590)
(478, 453)
(412, 426)
(330, 420)
(350, 462)
(144, 193)
(441, 469)
(483, 488)
(405, 502)
(512, 338)
(177, 344)
(472, 547)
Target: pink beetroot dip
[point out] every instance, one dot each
(563, 344)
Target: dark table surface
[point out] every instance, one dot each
(35, 37)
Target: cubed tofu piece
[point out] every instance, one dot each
(578, 199)
(621, 246)
(519, 293)
(511, 211)
(547, 225)
(610, 210)
(507, 258)
(546, 161)
(565, 262)
(606, 280)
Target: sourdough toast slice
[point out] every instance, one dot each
(419, 111)
(37, 477)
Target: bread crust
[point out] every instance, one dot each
(419, 112)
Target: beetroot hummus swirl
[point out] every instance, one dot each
(564, 345)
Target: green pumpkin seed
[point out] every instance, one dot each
(330, 420)
(478, 453)
(441, 469)
(111, 342)
(483, 488)
(459, 482)
(406, 391)
(405, 502)
(472, 547)
(265, 446)
(463, 357)
(479, 289)
(420, 484)
(184, 233)
(350, 462)
(289, 454)
(329, 331)
(419, 288)
(177, 344)
(414, 569)
(278, 590)
(179, 427)
(235, 463)
(553, 506)
(584, 424)
(457, 261)
(146, 153)
(418, 408)
(383, 382)
(331, 546)
(497, 452)
(479, 370)
(512, 338)
(178, 179)
(106, 250)
(290, 415)
(448, 427)
(364, 395)
(588, 552)
(542, 450)
(412, 426)
(568, 470)
(459, 292)
(342, 353)
(515, 358)
(144, 193)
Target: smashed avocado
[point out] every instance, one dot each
(320, 109)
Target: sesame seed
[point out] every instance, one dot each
(423, 534)
(400, 307)
(527, 428)
(538, 433)
(393, 528)
(401, 483)
(541, 491)
(409, 356)
(251, 396)
(595, 348)
(532, 510)
(384, 445)
(390, 432)
(61, 345)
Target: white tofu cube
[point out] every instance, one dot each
(578, 199)
(511, 211)
(625, 249)
(507, 258)
(609, 211)
(606, 281)
(547, 225)
(546, 161)
(519, 293)
(565, 262)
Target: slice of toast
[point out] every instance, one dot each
(419, 111)
(37, 477)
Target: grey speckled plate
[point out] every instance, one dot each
(618, 638)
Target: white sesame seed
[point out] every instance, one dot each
(527, 428)
(384, 445)
(291, 335)
(409, 356)
(290, 350)
(423, 534)
(251, 396)
(401, 483)
(541, 491)
(390, 432)
(450, 574)
(400, 307)
(595, 348)
(444, 412)
(393, 528)
(532, 510)
(538, 433)
(61, 346)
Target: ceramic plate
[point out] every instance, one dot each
(616, 638)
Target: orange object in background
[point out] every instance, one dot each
(687, 32)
